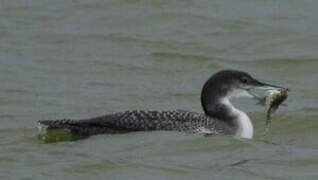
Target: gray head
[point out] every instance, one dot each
(229, 84)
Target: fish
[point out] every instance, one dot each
(273, 99)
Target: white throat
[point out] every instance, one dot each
(245, 126)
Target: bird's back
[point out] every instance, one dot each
(135, 120)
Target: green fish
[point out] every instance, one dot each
(273, 100)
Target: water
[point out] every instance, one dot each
(80, 59)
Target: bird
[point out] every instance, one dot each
(219, 115)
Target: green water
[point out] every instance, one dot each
(79, 59)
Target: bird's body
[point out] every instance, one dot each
(141, 120)
(219, 117)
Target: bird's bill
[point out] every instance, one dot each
(262, 86)
(269, 87)
(266, 87)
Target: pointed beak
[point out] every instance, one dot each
(266, 87)
(262, 86)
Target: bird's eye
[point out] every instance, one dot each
(244, 80)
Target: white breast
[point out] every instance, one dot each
(245, 126)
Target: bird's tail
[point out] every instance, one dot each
(44, 125)
(75, 127)
(80, 128)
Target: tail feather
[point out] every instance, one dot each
(56, 124)
(76, 127)
(66, 124)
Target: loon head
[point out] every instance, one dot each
(227, 84)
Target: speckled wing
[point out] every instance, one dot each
(128, 121)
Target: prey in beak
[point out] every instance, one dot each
(264, 87)
(249, 84)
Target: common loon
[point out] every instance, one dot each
(219, 117)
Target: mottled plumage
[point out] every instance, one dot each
(137, 120)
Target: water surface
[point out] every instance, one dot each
(80, 59)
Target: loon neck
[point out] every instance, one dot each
(241, 121)
(223, 110)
